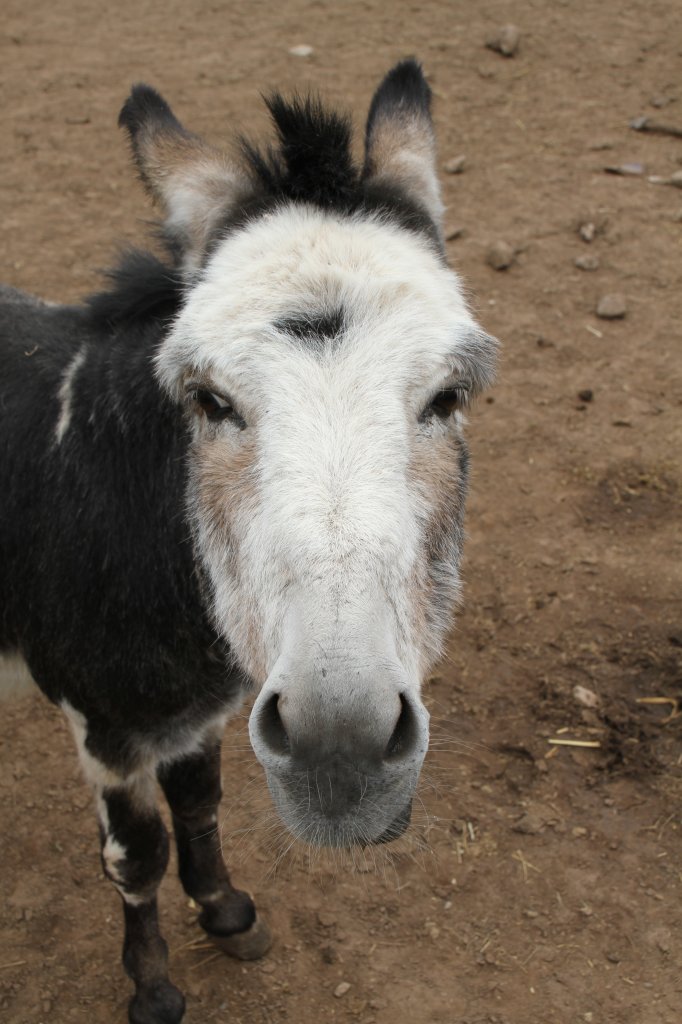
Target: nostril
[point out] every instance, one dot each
(404, 735)
(272, 727)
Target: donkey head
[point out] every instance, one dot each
(324, 352)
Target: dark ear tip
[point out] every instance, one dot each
(408, 79)
(403, 88)
(142, 106)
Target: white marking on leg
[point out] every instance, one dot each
(64, 394)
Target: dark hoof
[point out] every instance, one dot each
(160, 1004)
(249, 945)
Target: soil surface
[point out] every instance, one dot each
(541, 883)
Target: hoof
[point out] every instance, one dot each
(160, 1004)
(249, 945)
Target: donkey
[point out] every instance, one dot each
(241, 468)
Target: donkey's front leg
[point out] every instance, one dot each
(192, 788)
(135, 857)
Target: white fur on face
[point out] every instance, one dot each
(309, 521)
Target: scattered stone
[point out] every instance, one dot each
(505, 41)
(432, 929)
(578, 832)
(529, 825)
(268, 967)
(625, 170)
(611, 307)
(676, 179)
(614, 958)
(453, 233)
(543, 342)
(456, 165)
(648, 124)
(621, 423)
(77, 119)
(325, 919)
(660, 101)
(500, 255)
(588, 698)
(587, 262)
(600, 144)
(302, 50)
(341, 989)
(587, 231)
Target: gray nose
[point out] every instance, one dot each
(311, 731)
(342, 749)
(307, 721)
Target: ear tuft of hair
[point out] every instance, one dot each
(404, 91)
(145, 106)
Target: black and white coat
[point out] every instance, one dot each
(243, 467)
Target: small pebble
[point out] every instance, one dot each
(500, 255)
(676, 179)
(578, 832)
(456, 165)
(588, 698)
(326, 920)
(341, 989)
(587, 231)
(625, 170)
(453, 233)
(505, 41)
(587, 262)
(614, 958)
(660, 101)
(611, 307)
(301, 51)
(600, 144)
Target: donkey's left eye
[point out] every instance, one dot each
(215, 407)
(445, 402)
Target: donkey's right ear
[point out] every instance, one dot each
(195, 184)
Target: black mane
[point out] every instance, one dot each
(142, 288)
(313, 161)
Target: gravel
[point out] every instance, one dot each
(455, 165)
(587, 262)
(505, 41)
(611, 307)
(500, 255)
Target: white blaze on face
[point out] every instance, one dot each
(309, 521)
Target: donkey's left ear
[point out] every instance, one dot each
(400, 148)
(194, 183)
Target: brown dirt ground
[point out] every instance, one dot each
(541, 885)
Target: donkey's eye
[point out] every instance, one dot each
(445, 402)
(215, 407)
